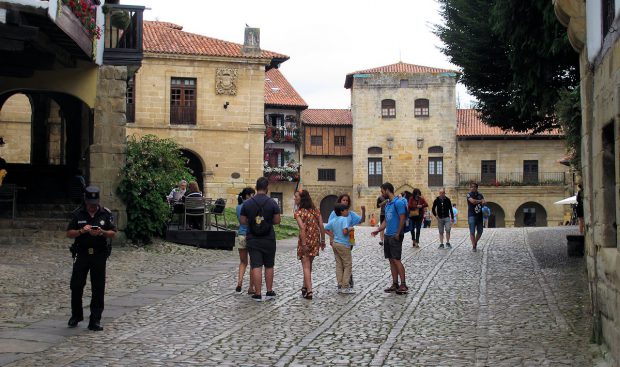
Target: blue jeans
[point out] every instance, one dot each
(475, 223)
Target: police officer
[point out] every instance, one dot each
(91, 226)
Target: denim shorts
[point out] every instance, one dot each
(475, 223)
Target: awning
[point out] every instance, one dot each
(570, 200)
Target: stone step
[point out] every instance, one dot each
(25, 210)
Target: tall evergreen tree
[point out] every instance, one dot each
(515, 58)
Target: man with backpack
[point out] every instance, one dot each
(486, 213)
(260, 213)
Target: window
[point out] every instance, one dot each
(435, 171)
(278, 197)
(487, 170)
(404, 83)
(530, 172)
(421, 107)
(375, 172)
(316, 140)
(130, 111)
(327, 174)
(275, 157)
(276, 120)
(340, 141)
(183, 101)
(435, 150)
(388, 108)
(375, 150)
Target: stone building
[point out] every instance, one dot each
(208, 96)
(63, 80)
(283, 109)
(592, 31)
(327, 156)
(404, 127)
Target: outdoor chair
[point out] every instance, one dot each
(8, 194)
(217, 210)
(194, 207)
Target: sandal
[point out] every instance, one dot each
(308, 295)
(304, 291)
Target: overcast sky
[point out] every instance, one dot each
(324, 39)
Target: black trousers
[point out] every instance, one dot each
(96, 265)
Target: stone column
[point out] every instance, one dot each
(107, 152)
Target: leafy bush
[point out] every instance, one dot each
(152, 168)
(287, 228)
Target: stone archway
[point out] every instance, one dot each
(531, 214)
(327, 205)
(498, 216)
(194, 163)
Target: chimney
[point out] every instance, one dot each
(251, 43)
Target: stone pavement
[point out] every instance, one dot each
(518, 301)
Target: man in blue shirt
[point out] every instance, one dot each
(395, 216)
(338, 228)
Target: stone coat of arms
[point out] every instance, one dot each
(226, 81)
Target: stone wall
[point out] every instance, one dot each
(107, 152)
(226, 140)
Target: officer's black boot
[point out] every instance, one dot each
(74, 320)
(95, 325)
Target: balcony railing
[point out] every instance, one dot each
(289, 172)
(123, 34)
(514, 179)
(282, 134)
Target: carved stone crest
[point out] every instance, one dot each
(226, 81)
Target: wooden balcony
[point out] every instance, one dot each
(123, 34)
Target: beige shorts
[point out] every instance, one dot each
(240, 242)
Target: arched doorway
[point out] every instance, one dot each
(327, 205)
(531, 214)
(194, 163)
(497, 219)
(47, 136)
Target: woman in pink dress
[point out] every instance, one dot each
(311, 237)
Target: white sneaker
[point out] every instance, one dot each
(348, 290)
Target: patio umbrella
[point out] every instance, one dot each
(570, 200)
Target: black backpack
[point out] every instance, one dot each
(258, 226)
(219, 205)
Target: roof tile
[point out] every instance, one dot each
(278, 91)
(338, 117)
(399, 67)
(169, 38)
(469, 124)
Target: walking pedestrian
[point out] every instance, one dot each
(427, 219)
(486, 213)
(261, 213)
(416, 206)
(311, 237)
(338, 228)
(475, 201)
(579, 209)
(442, 210)
(245, 194)
(395, 214)
(456, 214)
(91, 226)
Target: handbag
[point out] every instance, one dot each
(414, 212)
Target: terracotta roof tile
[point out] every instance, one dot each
(279, 92)
(340, 117)
(169, 38)
(469, 124)
(399, 67)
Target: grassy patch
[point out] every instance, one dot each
(287, 228)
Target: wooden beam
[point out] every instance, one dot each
(11, 45)
(21, 33)
(64, 58)
(15, 71)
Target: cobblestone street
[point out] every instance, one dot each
(518, 301)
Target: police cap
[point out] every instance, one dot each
(91, 195)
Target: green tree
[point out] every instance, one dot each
(515, 59)
(153, 167)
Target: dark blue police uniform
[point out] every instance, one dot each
(91, 253)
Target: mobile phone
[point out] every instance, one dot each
(94, 227)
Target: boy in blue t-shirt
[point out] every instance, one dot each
(338, 228)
